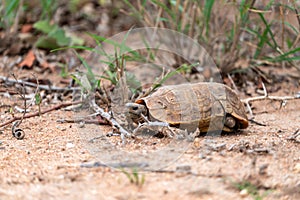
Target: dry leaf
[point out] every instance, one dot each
(26, 28)
(28, 60)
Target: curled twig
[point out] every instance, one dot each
(17, 132)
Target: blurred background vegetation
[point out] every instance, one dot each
(240, 35)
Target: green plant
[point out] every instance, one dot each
(48, 8)
(11, 11)
(134, 177)
(38, 101)
(8, 13)
(171, 14)
(55, 36)
(64, 73)
(195, 19)
(251, 189)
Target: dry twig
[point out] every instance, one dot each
(18, 132)
(295, 136)
(59, 106)
(39, 86)
(283, 99)
(109, 118)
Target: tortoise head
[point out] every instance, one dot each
(135, 111)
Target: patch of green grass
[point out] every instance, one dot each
(195, 18)
(48, 8)
(114, 64)
(54, 36)
(134, 177)
(8, 12)
(251, 189)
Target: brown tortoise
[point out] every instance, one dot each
(208, 106)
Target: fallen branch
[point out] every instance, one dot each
(59, 106)
(283, 99)
(42, 87)
(109, 118)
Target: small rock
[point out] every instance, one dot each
(244, 192)
(263, 169)
(69, 145)
(197, 142)
(217, 147)
(81, 124)
(61, 128)
(202, 156)
(297, 168)
(231, 147)
(183, 168)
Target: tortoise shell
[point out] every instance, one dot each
(207, 106)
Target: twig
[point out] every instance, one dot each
(10, 92)
(22, 95)
(37, 96)
(17, 132)
(295, 136)
(283, 99)
(86, 121)
(108, 117)
(62, 105)
(43, 87)
(148, 123)
(232, 82)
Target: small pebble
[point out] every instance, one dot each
(244, 193)
(197, 142)
(183, 168)
(61, 128)
(202, 156)
(297, 168)
(81, 124)
(69, 145)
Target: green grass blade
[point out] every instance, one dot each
(269, 30)
(128, 175)
(285, 56)
(182, 68)
(73, 47)
(11, 6)
(136, 12)
(263, 39)
(207, 13)
(166, 9)
(90, 74)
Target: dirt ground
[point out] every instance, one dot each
(54, 161)
(66, 160)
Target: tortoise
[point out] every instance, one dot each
(204, 105)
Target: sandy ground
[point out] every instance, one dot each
(55, 161)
